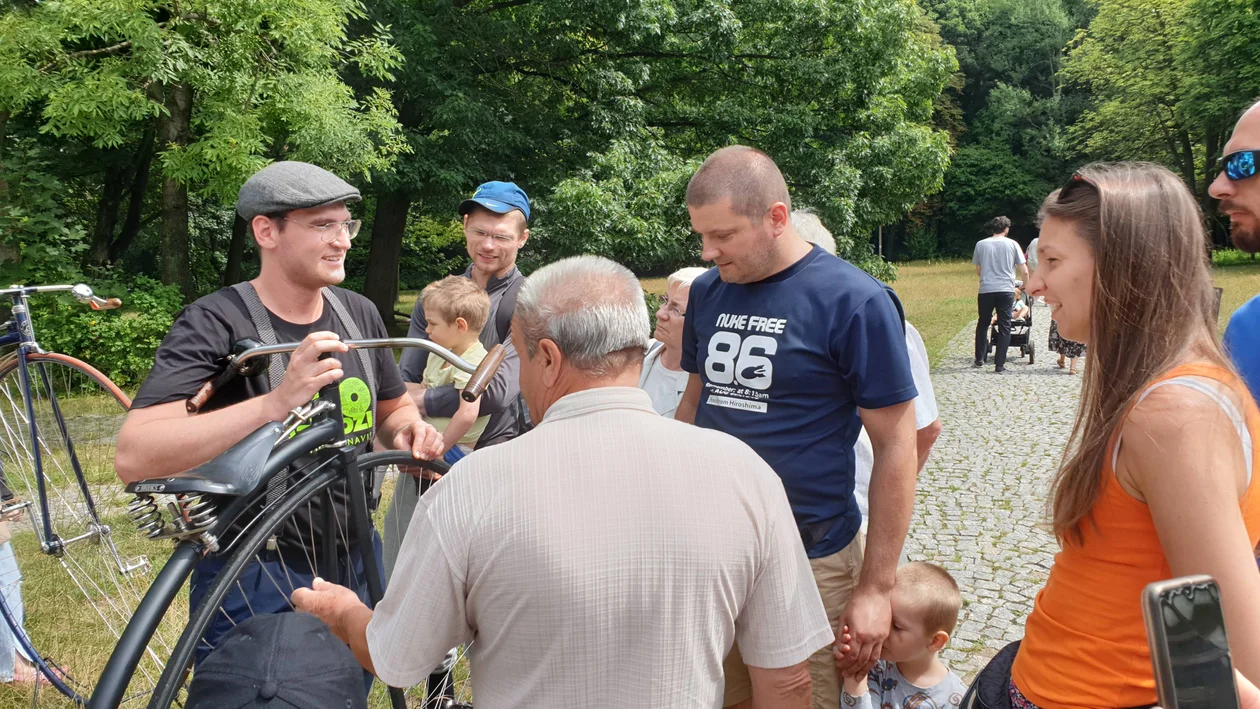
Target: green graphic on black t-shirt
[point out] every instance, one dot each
(356, 411)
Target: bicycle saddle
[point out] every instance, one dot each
(236, 471)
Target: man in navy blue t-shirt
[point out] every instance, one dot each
(793, 350)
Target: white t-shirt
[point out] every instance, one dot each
(664, 386)
(924, 414)
(608, 559)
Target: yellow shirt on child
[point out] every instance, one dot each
(438, 372)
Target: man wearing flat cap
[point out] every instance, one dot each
(299, 219)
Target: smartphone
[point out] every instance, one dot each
(1189, 650)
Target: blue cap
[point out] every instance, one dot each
(498, 197)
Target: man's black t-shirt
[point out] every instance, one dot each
(203, 334)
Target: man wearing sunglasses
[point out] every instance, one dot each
(1238, 189)
(297, 213)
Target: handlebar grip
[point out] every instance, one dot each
(199, 399)
(481, 378)
(208, 390)
(107, 304)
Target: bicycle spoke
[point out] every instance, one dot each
(287, 596)
(72, 431)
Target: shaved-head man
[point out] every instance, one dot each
(793, 350)
(1238, 189)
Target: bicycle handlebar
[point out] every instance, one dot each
(81, 292)
(237, 363)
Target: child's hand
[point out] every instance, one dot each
(854, 685)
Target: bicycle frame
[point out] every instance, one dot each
(20, 331)
(326, 431)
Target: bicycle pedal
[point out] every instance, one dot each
(137, 564)
(9, 508)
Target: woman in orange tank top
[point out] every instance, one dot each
(1157, 480)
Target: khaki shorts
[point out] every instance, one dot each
(836, 576)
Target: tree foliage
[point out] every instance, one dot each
(1167, 78)
(223, 87)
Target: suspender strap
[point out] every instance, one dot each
(365, 357)
(278, 484)
(262, 323)
(275, 369)
(369, 371)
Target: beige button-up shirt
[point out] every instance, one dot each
(608, 558)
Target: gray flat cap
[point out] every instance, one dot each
(282, 186)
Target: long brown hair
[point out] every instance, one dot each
(1152, 309)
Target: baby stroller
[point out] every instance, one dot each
(1021, 332)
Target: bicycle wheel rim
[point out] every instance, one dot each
(78, 598)
(246, 557)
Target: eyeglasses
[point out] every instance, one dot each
(1239, 165)
(330, 232)
(662, 301)
(479, 235)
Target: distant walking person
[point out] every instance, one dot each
(1068, 350)
(996, 258)
(1032, 262)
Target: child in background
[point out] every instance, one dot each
(910, 675)
(457, 309)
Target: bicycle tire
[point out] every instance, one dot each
(175, 677)
(77, 413)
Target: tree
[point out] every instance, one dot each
(1128, 61)
(223, 87)
(599, 110)
(1007, 112)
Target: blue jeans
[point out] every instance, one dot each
(11, 581)
(265, 587)
(454, 455)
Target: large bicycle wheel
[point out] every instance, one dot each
(279, 551)
(81, 567)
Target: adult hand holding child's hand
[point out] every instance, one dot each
(854, 684)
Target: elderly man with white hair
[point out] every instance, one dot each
(576, 556)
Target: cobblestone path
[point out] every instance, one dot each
(980, 508)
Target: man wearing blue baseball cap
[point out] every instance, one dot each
(496, 226)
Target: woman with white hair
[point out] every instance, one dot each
(663, 377)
